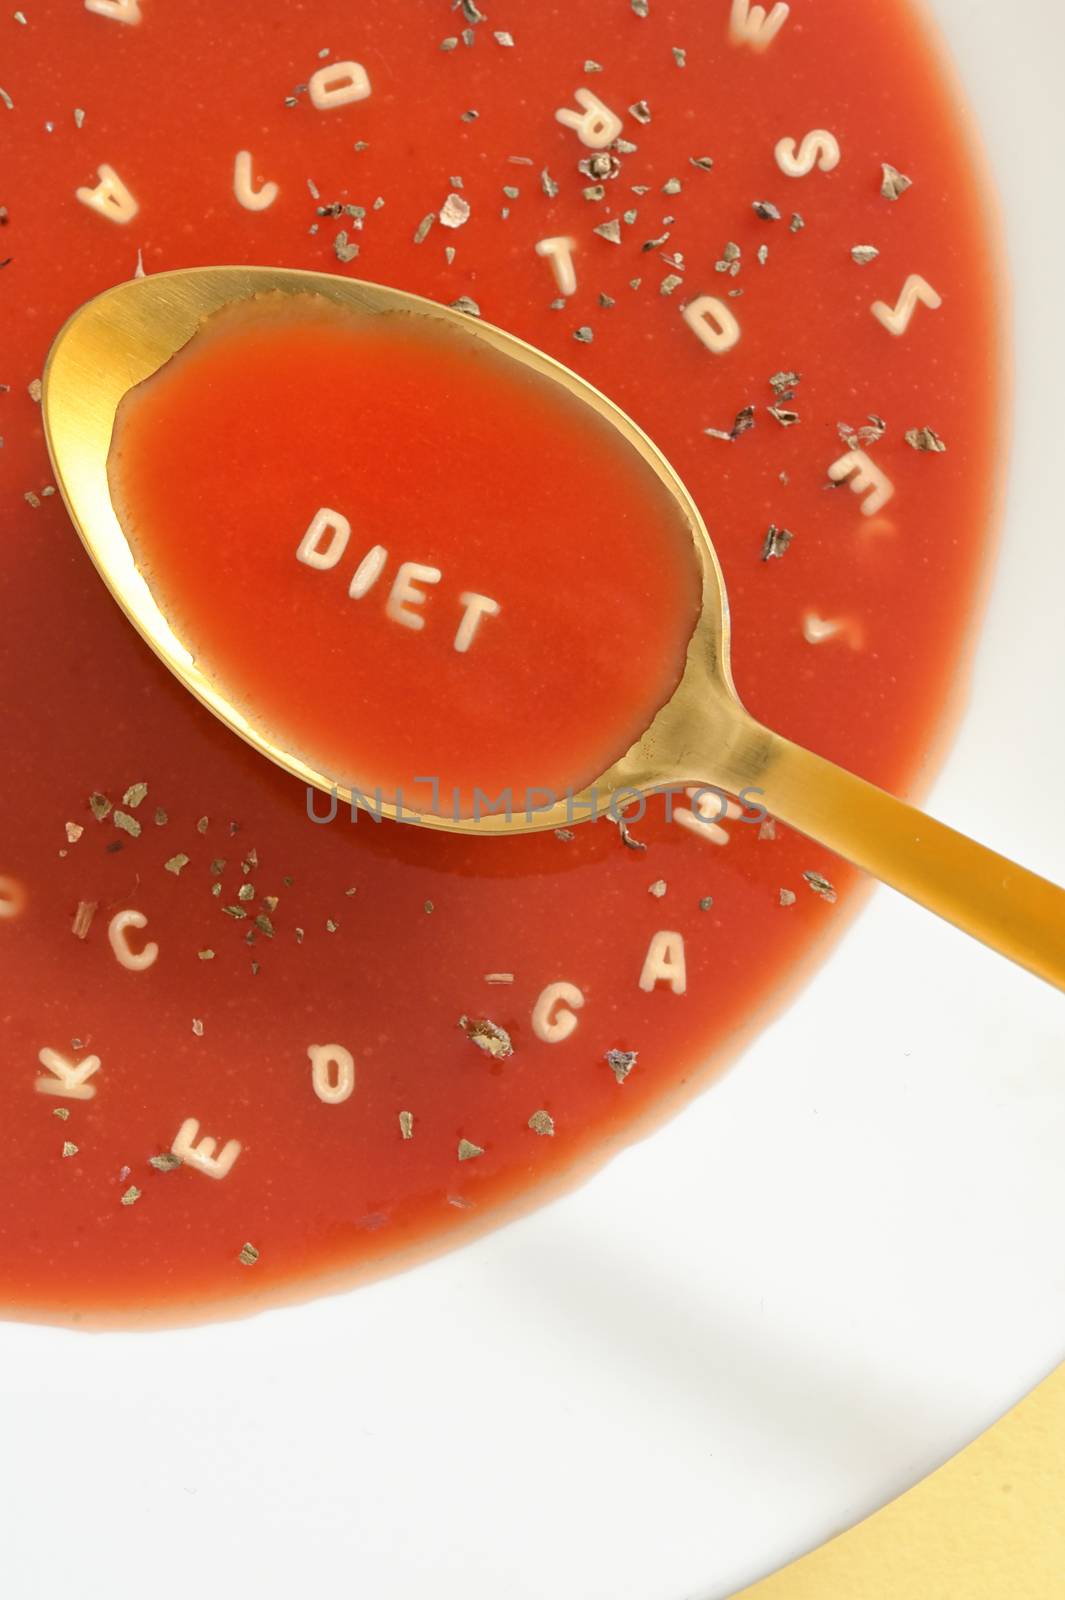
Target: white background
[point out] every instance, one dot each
(822, 1279)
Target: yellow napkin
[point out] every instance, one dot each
(990, 1525)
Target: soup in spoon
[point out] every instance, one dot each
(404, 556)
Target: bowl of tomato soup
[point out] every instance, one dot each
(261, 1058)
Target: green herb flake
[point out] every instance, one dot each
(69, 1149)
(218, 866)
(863, 254)
(583, 334)
(787, 897)
(176, 863)
(466, 304)
(238, 913)
(672, 186)
(606, 300)
(610, 231)
(543, 1123)
(203, 824)
(592, 66)
(449, 44)
(821, 886)
(704, 163)
(468, 1151)
(126, 823)
(197, 1027)
(504, 39)
(680, 55)
(165, 1161)
(641, 111)
(330, 925)
(487, 1036)
(706, 903)
(246, 891)
(99, 805)
(83, 918)
(428, 908)
(264, 925)
(641, 8)
(62, 1112)
(160, 819)
(621, 1062)
(131, 1195)
(205, 955)
(548, 184)
(135, 794)
(248, 1255)
(406, 1124)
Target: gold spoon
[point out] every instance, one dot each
(702, 736)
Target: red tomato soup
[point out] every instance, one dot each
(247, 1056)
(496, 595)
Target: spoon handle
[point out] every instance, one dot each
(1012, 910)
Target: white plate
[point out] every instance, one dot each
(825, 1276)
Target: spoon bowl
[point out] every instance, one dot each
(702, 739)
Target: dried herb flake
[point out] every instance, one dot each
(925, 439)
(621, 1062)
(895, 183)
(487, 1036)
(165, 1161)
(776, 542)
